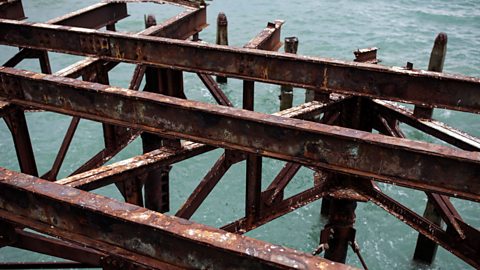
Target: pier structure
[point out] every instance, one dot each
(348, 134)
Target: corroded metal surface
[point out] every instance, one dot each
(135, 229)
(468, 250)
(104, 233)
(415, 164)
(405, 85)
(183, 3)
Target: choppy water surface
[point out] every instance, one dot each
(403, 30)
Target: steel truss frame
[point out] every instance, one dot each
(331, 135)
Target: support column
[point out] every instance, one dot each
(222, 37)
(426, 249)
(167, 82)
(254, 167)
(339, 232)
(286, 91)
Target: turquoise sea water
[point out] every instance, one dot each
(403, 30)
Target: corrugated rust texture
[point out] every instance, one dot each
(414, 164)
(69, 213)
(412, 86)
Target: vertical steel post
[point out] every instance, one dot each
(222, 37)
(340, 229)
(286, 91)
(168, 82)
(254, 166)
(426, 249)
(155, 180)
(109, 131)
(339, 232)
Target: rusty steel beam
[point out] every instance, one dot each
(137, 77)
(434, 128)
(19, 57)
(268, 39)
(438, 206)
(213, 87)
(81, 68)
(138, 165)
(215, 90)
(12, 9)
(183, 3)
(94, 17)
(281, 181)
(447, 211)
(134, 234)
(57, 248)
(253, 193)
(467, 249)
(207, 184)
(277, 210)
(179, 26)
(132, 167)
(106, 154)
(5, 108)
(444, 209)
(17, 124)
(411, 86)
(413, 164)
(43, 265)
(62, 152)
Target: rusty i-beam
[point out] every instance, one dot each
(413, 164)
(331, 135)
(410, 86)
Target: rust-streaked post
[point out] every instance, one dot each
(253, 166)
(367, 55)
(339, 232)
(340, 229)
(426, 249)
(167, 82)
(286, 91)
(222, 37)
(437, 58)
